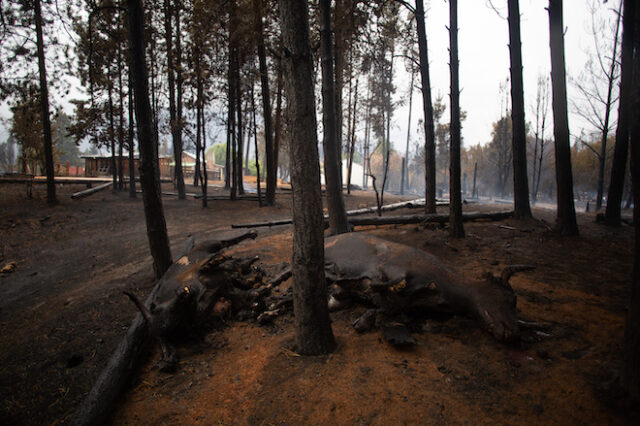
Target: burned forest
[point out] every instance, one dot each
(319, 212)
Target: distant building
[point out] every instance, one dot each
(100, 165)
(214, 171)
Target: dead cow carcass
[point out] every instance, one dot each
(200, 286)
(397, 279)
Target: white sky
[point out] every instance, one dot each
(484, 62)
(483, 39)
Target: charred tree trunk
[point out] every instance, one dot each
(230, 130)
(278, 122)
(203, 128)
(312, 322)
(427, 106)
(352, 138)
(607, 112)
(231, 122)
(120, 124)
(179, 97)
(338, 223)
(132, 171)
(149, 176)
(239, 137)
(205, 178)
(618, 168)
(196, 174)
(404, 179)
(631, 368)
(112, 139)
(566, 220)
(519, 138)
(44, 108)
(455, 205)
(474, 193)
(272, 167)
(255, 146)
(176, 133)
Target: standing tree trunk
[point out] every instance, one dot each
(352, 138)
(566, 220)
(338, 223)
(522, 209)
(132, 172)
(44, 109)
(631, 368)
(176, 134)
(255, 146)
(120, 123)
(618, 168)
(272, 166)
(389, 107)
(205, 174)
(474, 192)
(427, 106)
(149, 177)
(179, 96)
(607, 112)
(230, 128)
(239, 123)
(203, 148)
(455, 205)
(112, 138)
(405, 161)
(312, 322)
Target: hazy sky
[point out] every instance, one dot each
(484, 62)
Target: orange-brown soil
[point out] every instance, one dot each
(62, 313)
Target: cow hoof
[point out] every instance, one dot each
(365, 322)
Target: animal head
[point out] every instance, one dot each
(497, 304)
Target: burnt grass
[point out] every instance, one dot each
(62, 312)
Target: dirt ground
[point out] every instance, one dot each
(62, 312)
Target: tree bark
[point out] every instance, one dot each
(405, 161)
(312, 322)
(278, 122)
(44, 106)
(519, 138)
(455, 206)
(120, 123)
(566, 216)
(272, 167)
(338, 223)
(619, 166)
(205, 180)
(239, 133)
(255, 146)
(427, 106)
(112, 140)
(149, 176)
(393, 220)
(631, 368)
(132, 172)
(176, 133)
(352, 138)
(605, 128)
(179, 98)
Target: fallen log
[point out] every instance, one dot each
(393, 220)
(226, 197)
(170, 193)
(90, 191)
(411, 204)
(429, 218)
(115, 377)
